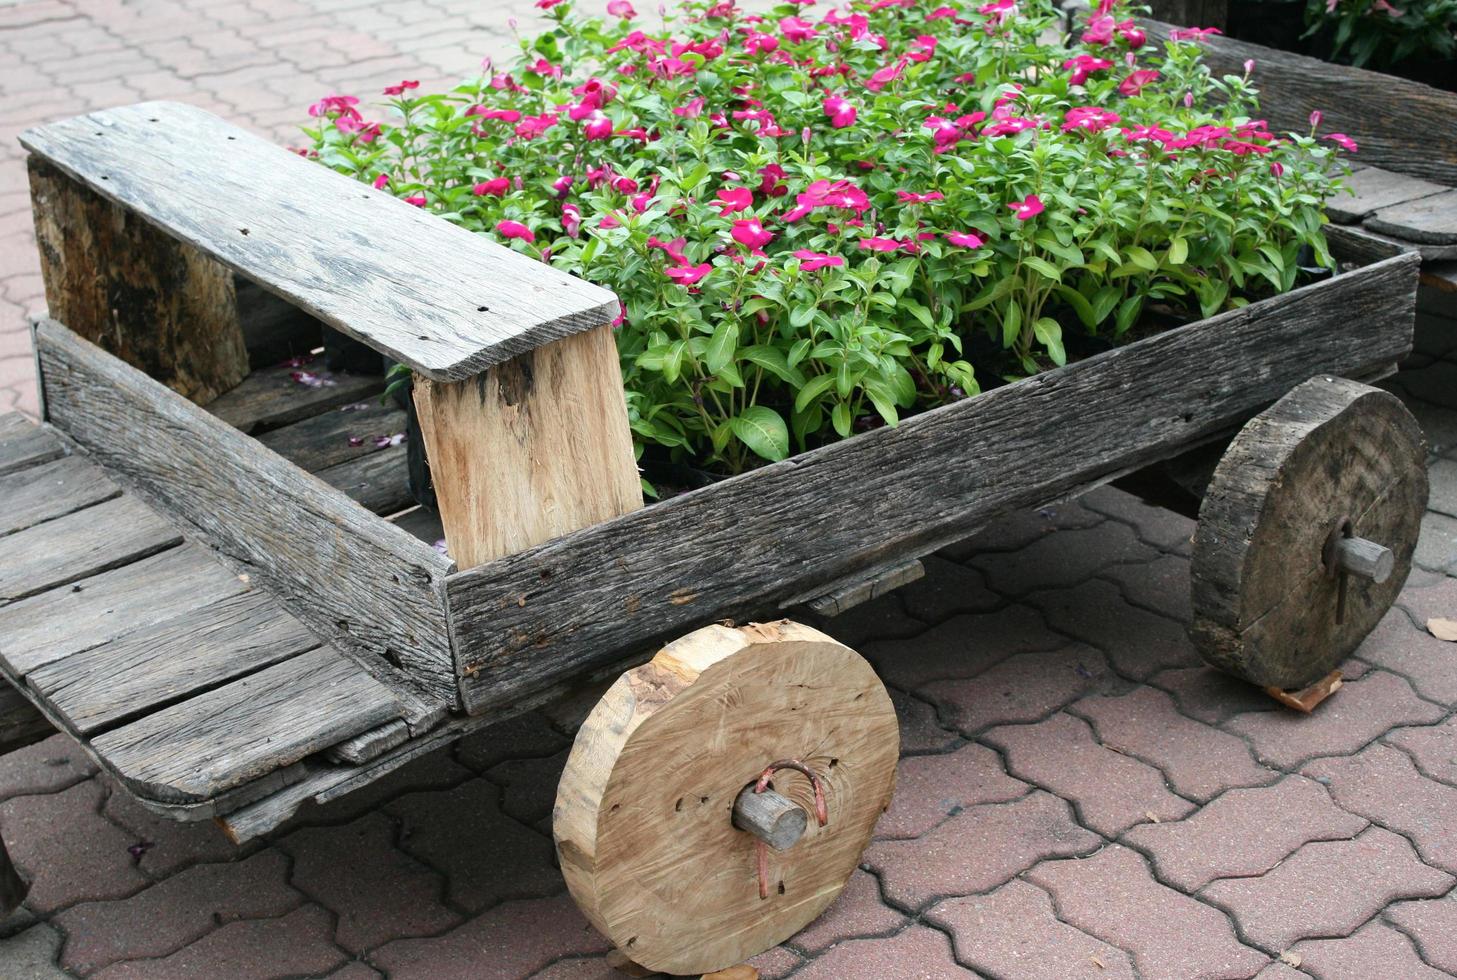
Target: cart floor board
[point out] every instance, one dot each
(183, 680)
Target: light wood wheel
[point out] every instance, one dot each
(1307, 531)
(645, 810)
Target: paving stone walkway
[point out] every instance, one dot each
(1078, 796)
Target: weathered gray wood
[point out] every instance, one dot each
(1367, 559)
(369, 745)
(23, 443)
(1372, 188)
(20, 723)
(193, 751)
(272, 396)
(274, 329)
(54, 624)
(423, 523)
(1429, 220)
(377, 482)
(446, 302)
(96, 689)
(115, 532)
(1400, 125)
(525, 621)
(1192, 13)
(774, 819)
(43, 493)
(353, 578)
(1362, 246)
(324, 440)
(862, 588)
(151, 300)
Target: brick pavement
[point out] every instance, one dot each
(1078, 797)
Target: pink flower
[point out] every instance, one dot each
(840, 111)
(997, 11)
(505, 115)
(1136, 81)
(907, 197)
(795, 30)
(416, 199)
(515, 229)
(562, 184)
(1192, 33)
(757, 42)
(733, 199)
(1028, 209)
(381, 182)
(545, 68)
(1083, 66)
(965, 239)
(749, 233)
(810, 261)
(673, 249)
(401, 88)
(533, 126)
(691, 110)
(571, 220)
(621, 8)
(597, 126)
(885, 76)
(546, 4)
(771, 180)
(1089, 119)
(1343, 141)
(688, 275)
(1315, 118)
(495, 187)
(880, 244)
(331, 104)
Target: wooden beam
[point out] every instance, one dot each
(1192, 13)
(532, 449)
(360, 582)
(529, 620)
(155, 302)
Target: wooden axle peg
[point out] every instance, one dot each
(774, 819)
(1367, 559)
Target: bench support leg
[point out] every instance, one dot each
(531, 449)
(150, 299)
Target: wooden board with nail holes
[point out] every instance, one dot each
(1264, 607)
(643, 819)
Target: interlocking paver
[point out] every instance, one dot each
(930, 788)
(961, 647)
(165, 846)
(978, 849)
(1432, 925)
(45, 767)
(1063, 558)
(920, 729)
(1429, 663)
(516, 938)
(1014, 932)
(1112, 896)
(1433, 747)
(1365, 708)
(858, 912)
(176, 912)
(1374, 950)
(1161, 585)
(31, 955)
(1327, 888)
(1112, 791)
(296, 944)
(1163, 529)
(1020, 689)
(918, 953)
(529, 788)
(1382, 784)
(1138, 643)
(377, 892)
(1198, 761)
(1211, 696)
(947, 589)
(1244, 832)
(528, 736)
(1017, 531)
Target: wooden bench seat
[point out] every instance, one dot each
(186, 682)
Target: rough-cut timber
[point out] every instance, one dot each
(445, 301)
(280, 394)
(1428, 220)
(23, 443)
(249, 728)
(376, 482)
(330, 438)
(1400, 125)
(1370, 189)
(532, 449)
(524, 622)
(100, 687)
(348, 575)
(1267, 605)
(155, 302)
(43, 493)
(644, 809)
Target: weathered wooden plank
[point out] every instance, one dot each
(50, 490)
(23, 443)
(423, 523)
(146, 297)
(327, 439)
(274, 329)
(447, 302)
(284, 393)
(525, 621)
(844, 596)
(1372, 188)
(378, 482)
(115, 532)
(1428, 220)
(1192, 13)
(54, 624)
(369, 745)
(20, 723)
(1400, 125)
(96, 689)
(1362, 246)
(193, 751)
(353, 578)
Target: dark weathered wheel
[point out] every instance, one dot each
(1306, 532)
(672, 837)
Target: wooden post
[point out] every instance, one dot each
(774, 819)
(531, 449)
(157, 303)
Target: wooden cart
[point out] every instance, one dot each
(234, 608)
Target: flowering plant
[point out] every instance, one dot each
(817, 223)
(1385, 32)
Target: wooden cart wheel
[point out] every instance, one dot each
(646, 809)
(1307, 531)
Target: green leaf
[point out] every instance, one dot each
(722, 345)
(1142, 258)
(772, 360)
(799, 350)
(840, 419)
(1178, 251)
(1049, 334)
(763, 430)
(801, 316)
(1080, 305)
(1128, 312)
(648, 490)
(1044, 267)
(918, 311)
(813, 389)
(1011, 325)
